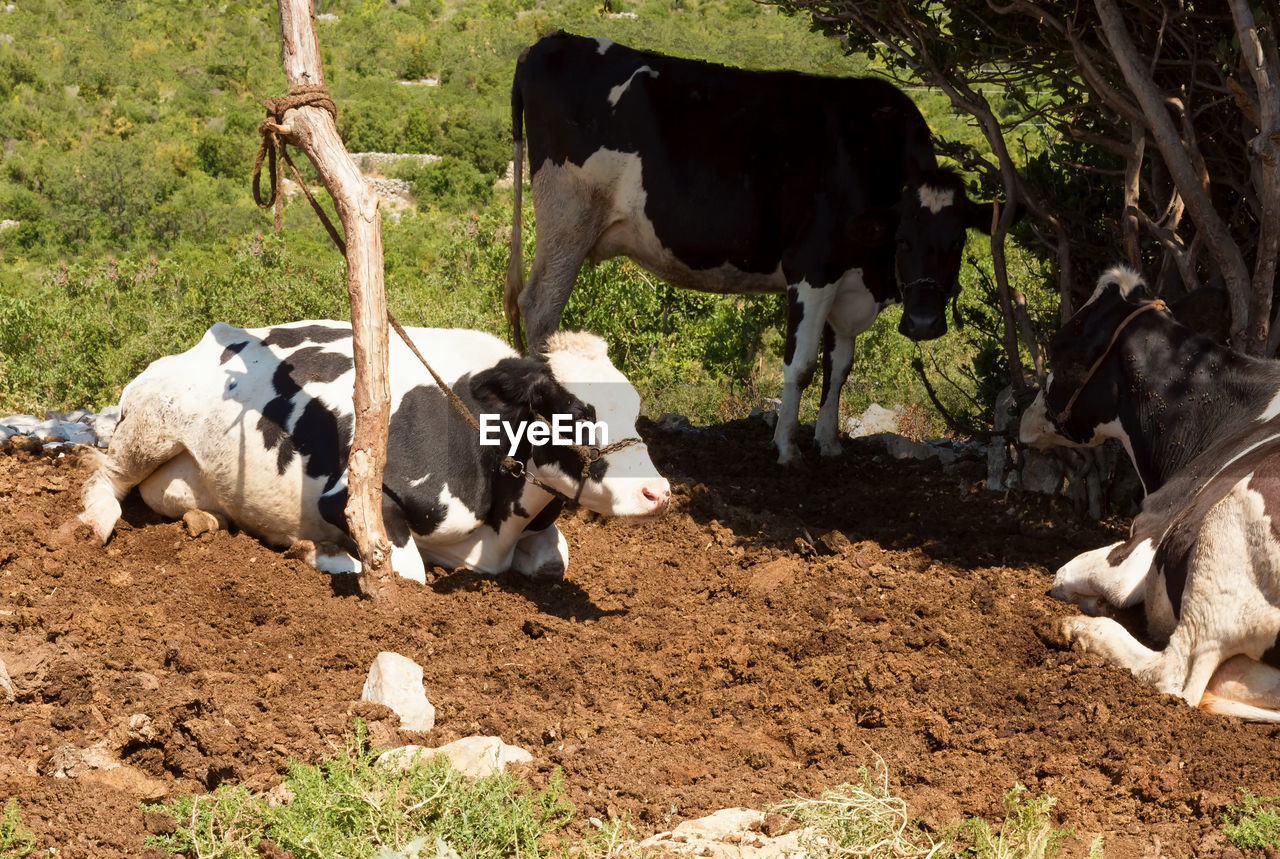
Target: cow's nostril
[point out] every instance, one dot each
(649, 494)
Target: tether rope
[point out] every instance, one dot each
(1156, 304)
(275, 144)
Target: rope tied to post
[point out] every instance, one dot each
(275, 144)
(275, 136)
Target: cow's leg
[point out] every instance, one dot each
(140, 446)
(1176, 670)
(807, 309)
(541, 554)
(570, 218)
(178, 490)
(1091, 579)
(837, 359)
(852, 311)
(406, 559)
(1245, 688)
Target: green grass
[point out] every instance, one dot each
(15, 840)
(129, 149)
(347, 807)
(1027, 831)
(1254, 823)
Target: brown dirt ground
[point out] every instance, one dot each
(735, 652)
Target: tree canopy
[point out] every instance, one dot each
(1143, 131)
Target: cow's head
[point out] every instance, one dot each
(607, 468)
(934, 216)
(1081, 400)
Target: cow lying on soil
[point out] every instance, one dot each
(1200, 424)
(255, 426)
(729, 181)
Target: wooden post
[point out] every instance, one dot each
(313, 130)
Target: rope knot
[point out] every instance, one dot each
(274, 142)
(301, 95)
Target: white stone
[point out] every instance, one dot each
(476, 757)
(9, 224)
(733, 832)
(396, 682)
(997, 459)
(900, 447)
(1041, 472)
(21, 424)
(876, 419)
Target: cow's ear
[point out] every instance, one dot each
(874, 228)
(512, 383)
(982, 216)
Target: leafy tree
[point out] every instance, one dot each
(1159, 126)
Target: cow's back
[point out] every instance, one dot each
(715, 178)
(715, 123)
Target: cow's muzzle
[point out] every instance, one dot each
(924, 310)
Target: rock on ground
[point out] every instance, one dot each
(396, 682)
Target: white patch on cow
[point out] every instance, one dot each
(1035, 428)
(816, 302)
(617, 92)
(614, 182)
(458, 521)
(853, 311)
(603, 44)
(1090, 579)
(631, 486)
(1128, 280)
(1272, 409)
(936, 199)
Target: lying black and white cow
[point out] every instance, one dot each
(730, 181)
(1201, 425)
(255, 426)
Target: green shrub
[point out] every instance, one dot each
(1254, 823)
(346, 806)
(15, 840)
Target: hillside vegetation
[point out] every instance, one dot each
(130, 130)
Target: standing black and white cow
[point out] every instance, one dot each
(255, 426)
(730, 181)
(1202, 426)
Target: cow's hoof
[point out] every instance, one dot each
(1090, 604)
(549, 572)
(789, 456)
(830, 448)
(302, 550)
(1070, 631)
(97, 532)
(202, 521)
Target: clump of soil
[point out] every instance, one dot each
(779, 629)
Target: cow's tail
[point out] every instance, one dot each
(515, 264)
